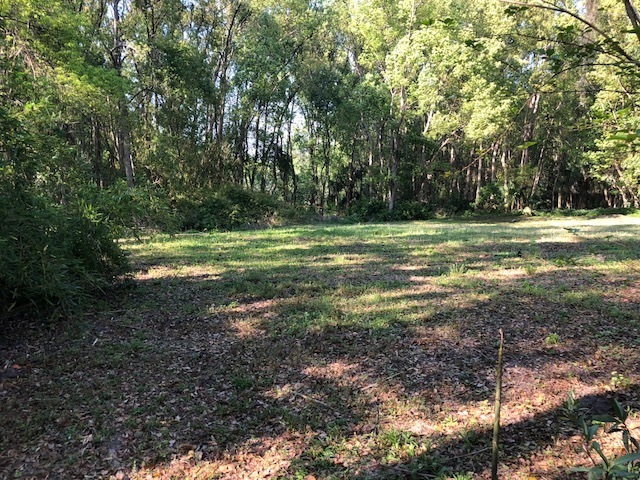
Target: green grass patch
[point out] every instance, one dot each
(338, 351)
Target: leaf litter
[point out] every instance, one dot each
(333, 368)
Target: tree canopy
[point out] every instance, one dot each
(330, 105)
(125, 112)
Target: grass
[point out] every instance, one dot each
(334, 352)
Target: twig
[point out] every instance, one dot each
(385, 379)
(476, 452)
(413, 474)
(496, 421)
(311, 399)
(110, 312)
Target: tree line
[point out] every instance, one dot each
(328, 104)
(124, 112)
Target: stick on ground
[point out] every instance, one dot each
(496, 421)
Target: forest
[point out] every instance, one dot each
(278, 239)
(119, 116)
(328, 105)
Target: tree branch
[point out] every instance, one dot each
(632, 13)
(614, 44)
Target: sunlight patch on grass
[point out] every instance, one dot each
(512, 272)
(340, 371)
(339, 351)
(245, 329)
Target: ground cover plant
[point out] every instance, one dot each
(335, 352)
(53, 259)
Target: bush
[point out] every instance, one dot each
(370, 211)
(227, 209)
(412, 211)
(378, 211)
(52, 258)
(295, 215)
(128, 211)
(490, 198)
(591, 213)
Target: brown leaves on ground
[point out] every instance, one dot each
(318, 356)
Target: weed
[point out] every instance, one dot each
(449, 422)
(619, 381)
(457, 269)
(243, 382)
(605, 467)
(552, 339)
(565, 261)
(137, 345)
(471, 438)
(533, 290)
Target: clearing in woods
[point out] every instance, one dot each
(334, 351)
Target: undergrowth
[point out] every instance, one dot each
(52, 257)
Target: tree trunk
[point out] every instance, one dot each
(530, 123)
(536, 179)
(122, 134)
(479, 180)
(350, 185)
(393, 170)
(97, 154)
(124, 144)
(505, 176)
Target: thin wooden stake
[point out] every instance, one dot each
(496, 420)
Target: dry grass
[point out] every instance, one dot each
(362, 351)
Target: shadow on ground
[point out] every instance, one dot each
(357, 360)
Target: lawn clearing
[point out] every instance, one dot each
(333, 351)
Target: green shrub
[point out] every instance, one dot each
(378, 211)
(229, 208)
(128, 211)
(51, 257)
(369, 211)
(295, 214)
(490, 198)
(412, 211)
(606, 467)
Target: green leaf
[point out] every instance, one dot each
(526, 145)
(625, 137)
(625, 440)
(597, 448)
(604, 419)
(515, 9)
(625, 474)
(591, 431)
(448, 21)
(624, 459)
(619, 410)
(596, 473)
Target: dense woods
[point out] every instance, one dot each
(211, 114)
(153, 326)
(325, 104)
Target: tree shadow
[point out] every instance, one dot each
(375, 351)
